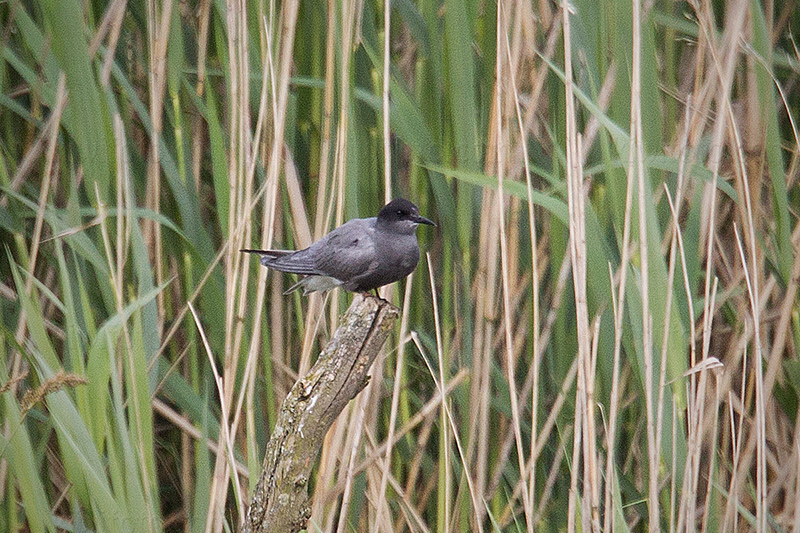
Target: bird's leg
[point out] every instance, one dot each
(368, 294)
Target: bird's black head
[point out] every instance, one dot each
(401, 215)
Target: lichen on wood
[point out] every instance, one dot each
(280, 501)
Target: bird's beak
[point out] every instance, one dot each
(419, 219)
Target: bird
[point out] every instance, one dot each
(359, 256)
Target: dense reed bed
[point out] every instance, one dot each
(602, 334)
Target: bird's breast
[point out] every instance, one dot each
(402, 252)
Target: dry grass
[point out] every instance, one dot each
(602, 335)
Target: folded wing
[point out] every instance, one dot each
(348, 251)
(299, 262)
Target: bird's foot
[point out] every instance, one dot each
(376, 295)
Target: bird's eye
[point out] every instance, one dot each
(400, 213)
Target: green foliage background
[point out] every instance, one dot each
(142, 143)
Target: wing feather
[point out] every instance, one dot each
(348, 251)
(299, 262)
(296, 263)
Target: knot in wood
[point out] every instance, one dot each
(306, 388)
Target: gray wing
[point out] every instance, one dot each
(299, 262)
(347, 251)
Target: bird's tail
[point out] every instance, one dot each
(267, 253)
(287, 261)
(314, 284)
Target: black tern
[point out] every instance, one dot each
(360, 255)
